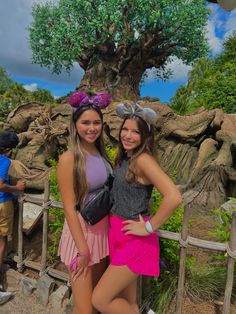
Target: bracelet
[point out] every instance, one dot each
(82, 254)
(74, 261)
(148, 227)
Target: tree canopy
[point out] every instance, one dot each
(211, 83)
(124, 36)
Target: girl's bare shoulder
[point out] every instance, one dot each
(66, 157)
(144, 158)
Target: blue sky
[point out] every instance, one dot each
(15, 54)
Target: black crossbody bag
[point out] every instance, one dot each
(100, 204)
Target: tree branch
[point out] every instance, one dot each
(85, 59)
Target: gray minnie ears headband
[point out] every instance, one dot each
(127, 110)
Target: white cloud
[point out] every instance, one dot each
(15, 53)
(178, 68)
(230, 25)
(215, 42)
(31, 87)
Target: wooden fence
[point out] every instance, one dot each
(183, 238)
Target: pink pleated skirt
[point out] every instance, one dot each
(96, 237)
(139, 253)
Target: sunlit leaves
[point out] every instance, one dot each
(212, 83)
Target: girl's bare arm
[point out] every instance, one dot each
(152, 173)
(65, 181)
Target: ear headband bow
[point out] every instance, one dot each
(128, 110)
(79, 99)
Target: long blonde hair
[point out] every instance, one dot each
(80, 183)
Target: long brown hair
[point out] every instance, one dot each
(80, 182)
(146, 145)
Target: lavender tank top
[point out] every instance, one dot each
(96, 174)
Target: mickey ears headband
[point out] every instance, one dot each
(127, 110)
(79, 99)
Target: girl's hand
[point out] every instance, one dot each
(79, 266)
(135, 227)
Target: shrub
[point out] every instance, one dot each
(222, 231)
(56, 220)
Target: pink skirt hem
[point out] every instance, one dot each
(96, 237)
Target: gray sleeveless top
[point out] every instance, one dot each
(130, 198)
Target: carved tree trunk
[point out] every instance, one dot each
(104, 76)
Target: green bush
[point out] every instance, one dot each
(111, 152)
(169, 249)
(207, 282)
(222, 231)
(56, 220)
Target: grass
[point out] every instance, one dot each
(202, 284)
(163, 291)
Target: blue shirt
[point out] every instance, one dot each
(4, 167)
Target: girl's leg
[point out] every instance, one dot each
(130, 294)
(82, 294)
(106, 296)
(82, 288)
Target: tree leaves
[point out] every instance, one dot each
(72, 30)
(212, 83)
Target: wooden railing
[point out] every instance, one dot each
(183, 238)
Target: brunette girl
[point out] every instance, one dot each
(133, 239)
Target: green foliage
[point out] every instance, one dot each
(163, 291)
(89, 31)
(211, 83)
(42, 95)
(4, 110)
(222, 231)
(13, 94)
(207, 283)
(56, 220)
(169, 249)
(5, 81)
(111, 152)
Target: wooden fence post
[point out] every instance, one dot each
(183, 243)
(230, 269)
(45, 227)
(20, 234)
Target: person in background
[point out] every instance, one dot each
(133, 238)
(83, 248)
(8, 141)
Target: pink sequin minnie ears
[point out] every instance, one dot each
(127, 110)
(79, 99)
